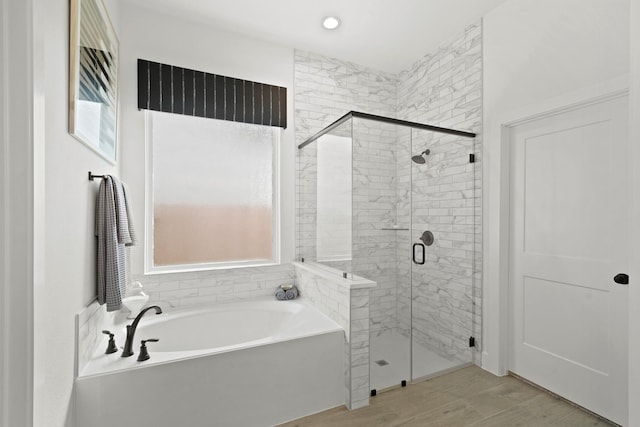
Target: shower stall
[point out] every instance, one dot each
(397, 202)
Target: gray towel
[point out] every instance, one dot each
(114, 230)
(281, 295)
(292, 293)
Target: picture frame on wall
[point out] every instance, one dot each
(93, 77)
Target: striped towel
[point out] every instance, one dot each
(114, 230)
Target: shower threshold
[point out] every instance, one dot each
(393, 348)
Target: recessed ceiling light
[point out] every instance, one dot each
(331, 22)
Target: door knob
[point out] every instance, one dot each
(621, 278)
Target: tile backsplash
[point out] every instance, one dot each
(87, 334)
(214, 286)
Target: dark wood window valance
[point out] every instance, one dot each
(179, 90)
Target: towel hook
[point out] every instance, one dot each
(92, 176)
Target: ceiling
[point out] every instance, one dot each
(387, 35)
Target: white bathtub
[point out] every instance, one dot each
(256, 363)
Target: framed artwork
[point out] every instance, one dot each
(93, 77)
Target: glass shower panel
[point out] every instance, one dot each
(324, 199)
(378, 236)
(333, 227)
(443, 232)
(403, 236)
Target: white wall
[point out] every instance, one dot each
(17, 196)
(538, 54)
(634, 179)
(66, 281)
(154, 36)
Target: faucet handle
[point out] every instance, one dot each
(144, 354)
(111, 346)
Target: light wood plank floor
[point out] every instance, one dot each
(467, 397)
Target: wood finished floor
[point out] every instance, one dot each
(467, 397)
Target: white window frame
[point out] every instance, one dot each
(150, 268)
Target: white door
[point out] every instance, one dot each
(568, 240)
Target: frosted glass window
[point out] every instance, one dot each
(334, 198)
(213, 191)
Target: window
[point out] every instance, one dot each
(212, 193)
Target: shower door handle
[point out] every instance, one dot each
(415, 261)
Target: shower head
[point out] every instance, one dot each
(420, 159)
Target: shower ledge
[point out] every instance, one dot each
(334, 275)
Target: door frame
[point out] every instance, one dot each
(497, 180)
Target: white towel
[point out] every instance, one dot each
(114, 230)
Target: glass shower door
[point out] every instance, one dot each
(442, 238)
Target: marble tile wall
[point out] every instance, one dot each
(374, 214)
(214, 286)
(326, 89)
(346, 301)
(359, 347)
